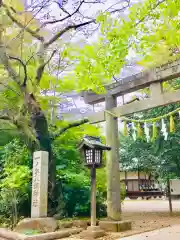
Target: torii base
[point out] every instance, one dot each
(115, 226)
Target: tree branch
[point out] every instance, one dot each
(45, 45)
(62, 19)
(12, 121)
(71, 125)
(8, 87)
(24, 66)
(153, 8)
(118, 10)
(41, 68)
(77, 9)
(33, 33)
(59, 34)
(5, 118)
(4, 59)
(76, 26)
(133, 100)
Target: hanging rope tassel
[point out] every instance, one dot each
(134, 131)
(155, 131)
(139, 130)
(125, 129)
(146, 131)
(172, 124)
(164, 129)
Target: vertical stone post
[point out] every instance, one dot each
(39, 185)
(112, 165)
(93, 196)
(156, 90)
(169, 196)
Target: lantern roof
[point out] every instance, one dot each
(93, 142)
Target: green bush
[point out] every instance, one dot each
(15, 181)
(76, 194)
(72, 186)
(123, 191)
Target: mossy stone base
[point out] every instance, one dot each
(115, 226)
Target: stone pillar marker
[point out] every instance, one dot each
(39, 185)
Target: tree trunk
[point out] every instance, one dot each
(178, 166)
(40, 125)
(42, 134)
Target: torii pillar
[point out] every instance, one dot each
(112, 165)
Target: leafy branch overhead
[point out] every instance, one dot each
(31, 63)
(69, 126)
(151, 32)
(94, 65)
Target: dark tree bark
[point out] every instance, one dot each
(43, 136)
(40, 124)
(45, 144)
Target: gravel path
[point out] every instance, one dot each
(149, 206)
(146, 216)
(161, 234)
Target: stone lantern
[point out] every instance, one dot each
(92, 149)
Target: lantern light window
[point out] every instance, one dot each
(92, 148)
(89, 155)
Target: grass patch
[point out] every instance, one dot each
(31, 232)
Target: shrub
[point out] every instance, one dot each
(123, 191)
(76, 194)
(15, 181)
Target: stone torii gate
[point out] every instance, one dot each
(152, 79)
